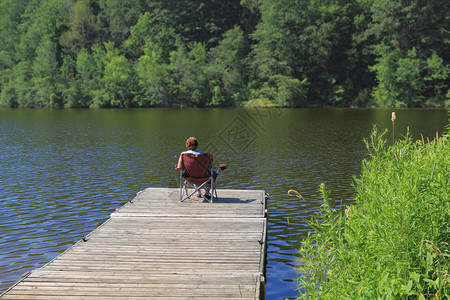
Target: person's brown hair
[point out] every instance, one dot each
(191, 143)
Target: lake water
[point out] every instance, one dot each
(62, 172)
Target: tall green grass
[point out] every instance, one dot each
(394, 243)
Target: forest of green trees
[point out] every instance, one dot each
(199, 53)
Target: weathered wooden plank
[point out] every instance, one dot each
(136, 289)
(44, 272)
(157, 247)
(96, 297)
(86, 287)
(155, 278)
(193, 267)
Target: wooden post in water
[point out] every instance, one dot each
(158, 247)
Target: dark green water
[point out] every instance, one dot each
(62, 172)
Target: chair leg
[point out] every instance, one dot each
(212, 191)
(183, 190)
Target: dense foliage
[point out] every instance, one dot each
(140, 53)
(394, 243)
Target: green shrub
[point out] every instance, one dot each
(394, 242)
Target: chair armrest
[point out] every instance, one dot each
(223, 166)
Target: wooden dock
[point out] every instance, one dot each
(156, 247)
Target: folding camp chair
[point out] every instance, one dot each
(197, 172)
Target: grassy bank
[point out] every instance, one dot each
(394, 242)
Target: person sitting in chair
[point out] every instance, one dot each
(191, 145)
